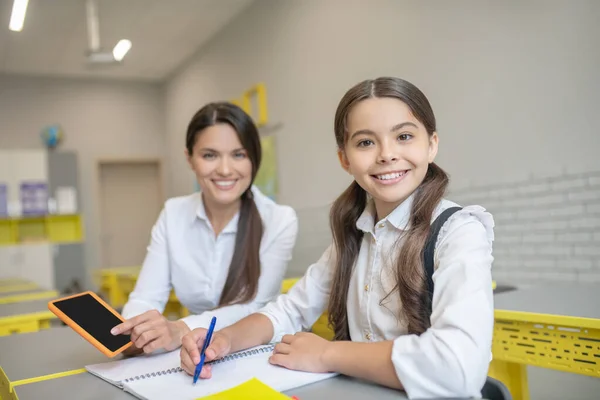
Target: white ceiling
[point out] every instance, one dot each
(164, 34)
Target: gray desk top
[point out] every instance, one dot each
(89, 387)
(61, 349)
(48, 351)
(576, 299)
(343, 387)
(26, 307)
(81, 387)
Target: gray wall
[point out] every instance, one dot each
(100, 119)
(514, 86)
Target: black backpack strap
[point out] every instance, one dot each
(429, 250)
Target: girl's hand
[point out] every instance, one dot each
(192, 343)
(303, 351)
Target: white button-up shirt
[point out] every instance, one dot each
(185, 255)
(451, 358)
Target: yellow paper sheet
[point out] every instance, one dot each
(249, 390)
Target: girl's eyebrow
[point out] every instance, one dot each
(403, 125)
(216, 151)
(362, 132)
(394, 129)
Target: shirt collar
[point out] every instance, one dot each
(366, 221)
(200, 213)
(399, 217)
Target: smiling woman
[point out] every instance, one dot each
(223, 250)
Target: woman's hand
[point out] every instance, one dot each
(192, 343)
(151, 331)
(303, 351)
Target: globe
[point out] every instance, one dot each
(52, 135)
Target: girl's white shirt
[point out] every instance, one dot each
(185, 255)
(451, 358)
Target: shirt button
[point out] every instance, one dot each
(382, 225)
(368, 335)
(366, 288)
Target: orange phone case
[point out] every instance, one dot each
(65, 318)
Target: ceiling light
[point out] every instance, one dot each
(17, 18)
(121, 49)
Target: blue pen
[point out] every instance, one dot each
(204, 347)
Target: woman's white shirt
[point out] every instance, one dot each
(451, 358)
(185, 255)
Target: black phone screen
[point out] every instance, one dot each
(95, 319)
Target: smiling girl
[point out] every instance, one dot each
(372, 279)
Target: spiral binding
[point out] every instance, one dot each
(242, 354)
(153, 374)
(233, 356)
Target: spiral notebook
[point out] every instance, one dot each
(160, 376)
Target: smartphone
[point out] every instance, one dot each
(92, 318)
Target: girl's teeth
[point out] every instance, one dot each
(224, 183)
(390, 176)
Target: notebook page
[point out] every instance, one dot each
(116, 372)
(224, 376)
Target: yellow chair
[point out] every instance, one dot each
(117, 283)
(110, 280)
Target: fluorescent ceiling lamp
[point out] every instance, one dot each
(121, 49)
(17, 18)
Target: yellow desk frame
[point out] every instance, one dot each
(563, 343)
(25, 323)
(7, 388)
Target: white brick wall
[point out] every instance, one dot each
(547, 229)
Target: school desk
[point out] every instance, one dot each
(554, 326)
(88, 387)
(48, 352)
(29, 316)
(27, 295)
(58, 355)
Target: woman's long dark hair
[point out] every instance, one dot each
(242, 280)
(410, 276)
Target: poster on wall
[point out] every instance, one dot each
(34, 198)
